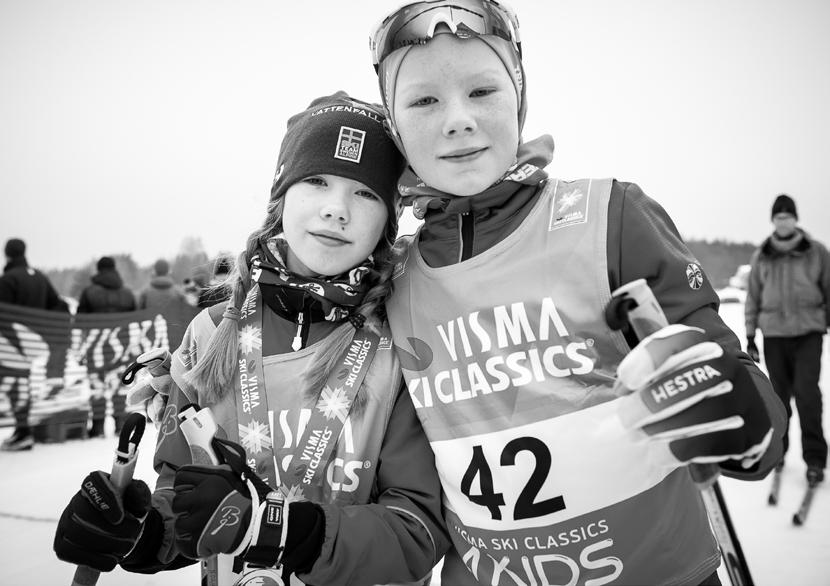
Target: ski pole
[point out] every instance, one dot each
(123, 466)
(635, 304)
(199, 429)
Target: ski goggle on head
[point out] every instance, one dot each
(415, 23)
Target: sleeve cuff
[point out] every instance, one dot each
(304, 541)
(143, 559)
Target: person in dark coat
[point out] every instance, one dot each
(26, 286)
(106, 294)
(23, 285)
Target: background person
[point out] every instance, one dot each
(788, 300)
(106, 294)
(162, 290)
(26, 286)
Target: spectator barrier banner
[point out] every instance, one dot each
(60, 359)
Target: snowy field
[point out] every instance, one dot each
(36, 485)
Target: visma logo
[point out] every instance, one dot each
(342, 473)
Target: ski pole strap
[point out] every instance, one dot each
(270, 527)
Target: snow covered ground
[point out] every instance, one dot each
(35, 486)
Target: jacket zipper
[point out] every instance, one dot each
(299, 340)
(466, 231)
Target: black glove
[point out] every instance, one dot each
(214, 507)
(98, 528)
(752, 350)
(213, 510)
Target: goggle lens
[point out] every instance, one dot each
(415, 24)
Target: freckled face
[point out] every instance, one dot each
(331, 224)
(456, 111)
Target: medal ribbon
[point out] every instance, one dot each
(328, 416)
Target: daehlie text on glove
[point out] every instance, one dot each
(98, 528)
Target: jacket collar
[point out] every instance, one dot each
(768, 248)
(108, 279)
(528, 169)
(16, 263)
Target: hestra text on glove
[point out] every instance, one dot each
(694, 397)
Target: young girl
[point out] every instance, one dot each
(550, 477)
(342, 464)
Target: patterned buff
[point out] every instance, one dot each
(531, 159)
(337, 296)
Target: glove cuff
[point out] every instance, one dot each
(269, 526)
(144, 553)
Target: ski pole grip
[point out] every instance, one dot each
(634, 303)
(199, 428)
(126, 456)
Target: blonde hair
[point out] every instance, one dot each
(215, 371)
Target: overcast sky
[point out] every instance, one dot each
(128, 126)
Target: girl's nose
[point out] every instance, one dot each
(336, 206)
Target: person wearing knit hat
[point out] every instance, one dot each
(15, 248)
(788, 300)
(106, 293)
(161, 291)
(784, 204)
(500, 315)
(298, 356)
(23, 285)
(344, 137)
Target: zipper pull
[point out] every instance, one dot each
(298, 338)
